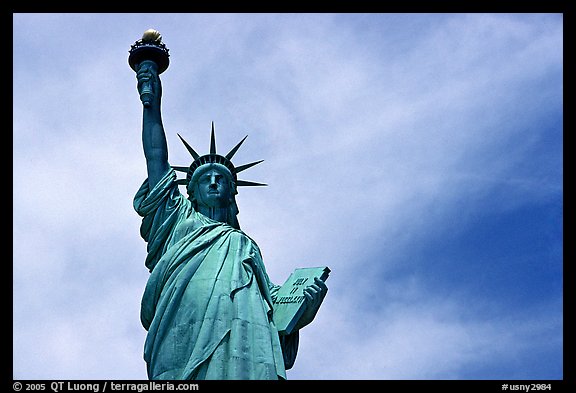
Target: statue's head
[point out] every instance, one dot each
(211, 180)
(212, 185)
(211, 188)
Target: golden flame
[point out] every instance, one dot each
(151, 35)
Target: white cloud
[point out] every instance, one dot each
(99, 339)
(418, 335)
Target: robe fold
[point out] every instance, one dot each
(207, 305)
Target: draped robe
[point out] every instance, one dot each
(207, 305)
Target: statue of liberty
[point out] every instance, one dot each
(208, 302)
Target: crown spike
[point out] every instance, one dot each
(235, 149)
(243, 183)
(180, 168)
(190, 150)
(212, 141)
(246, 166)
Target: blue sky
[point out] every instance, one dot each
(419, 156)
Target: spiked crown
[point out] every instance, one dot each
(214, 158)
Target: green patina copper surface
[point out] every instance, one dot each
(208, 302)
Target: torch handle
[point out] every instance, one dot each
(146, 95)
(146, 88)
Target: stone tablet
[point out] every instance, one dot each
(290, 301)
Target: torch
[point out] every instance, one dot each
(149, 48)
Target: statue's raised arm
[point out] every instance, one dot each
(153, 136)
(149, 58)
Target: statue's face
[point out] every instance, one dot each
(213, 189)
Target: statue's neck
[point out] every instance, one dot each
(215, 213)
